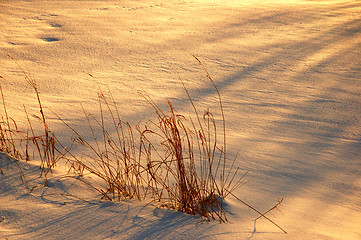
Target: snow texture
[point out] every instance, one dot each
(289, 73)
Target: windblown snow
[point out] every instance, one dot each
(289, 74)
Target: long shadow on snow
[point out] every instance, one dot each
(322, 133)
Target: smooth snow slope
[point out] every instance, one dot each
(289, 73)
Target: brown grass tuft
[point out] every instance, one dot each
(179, 162)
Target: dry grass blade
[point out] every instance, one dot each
(7, 140)
(6, 133)
(223, 117)
(261, 214)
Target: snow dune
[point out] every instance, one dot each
(289, 73)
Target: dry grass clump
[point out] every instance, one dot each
(178, 161)
(43, 145)
(188, 172)
(112, 155)
(8, 129)
(8, 136)
(183, 163)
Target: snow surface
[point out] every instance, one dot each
(289, 73)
